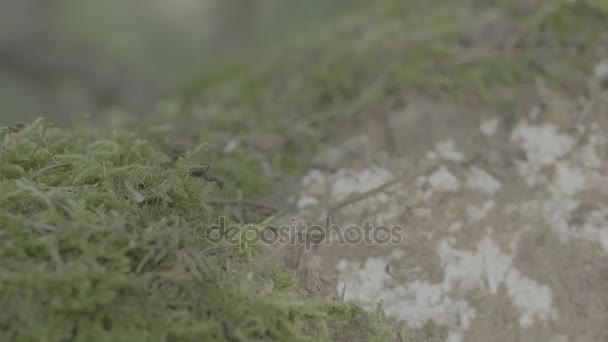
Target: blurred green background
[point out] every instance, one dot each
(61, 58)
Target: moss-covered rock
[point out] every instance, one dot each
(103, 238)
(102, 232)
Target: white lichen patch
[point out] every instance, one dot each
(569, 180)
(447, 150)
(486, 270)
(422, 212)
(479, 235)
(480, 180)
(314, 182)
(443, 180)
(589, 152)
(346, 182)
(489, 127)
(320, 190)
(454, 227)
(544, 145)
(533, 300)
(477, 213)
(600, 72)
(562, 202)
(231, 146)
(306, 201)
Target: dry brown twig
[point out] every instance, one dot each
(368, 95)
(361, 196)
(241, 203)
(238, 208)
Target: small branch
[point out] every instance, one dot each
(367, 96)
(361, 196)
(241, 203)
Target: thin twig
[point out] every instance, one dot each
(241, 203)
(361, 196)
(367, 96)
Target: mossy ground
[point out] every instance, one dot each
(102, 229)
(103, 238)
(371, 61)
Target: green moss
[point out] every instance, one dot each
(322, 81)
(102, 238)
(102, 234)
(242, 172)
(482, 78)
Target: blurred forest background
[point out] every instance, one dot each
(61, 58)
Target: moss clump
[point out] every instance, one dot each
(102, 238)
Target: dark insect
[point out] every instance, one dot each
(200, 171)
(16, 127)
